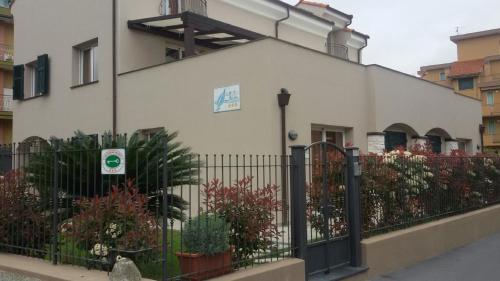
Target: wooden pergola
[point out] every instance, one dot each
(194, 30)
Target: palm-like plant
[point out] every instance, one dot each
(79, 169)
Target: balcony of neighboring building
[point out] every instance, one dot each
(6, 105)
(491, 136)
(491, 102)
(6, 56)
(175, 7)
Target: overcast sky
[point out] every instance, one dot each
(406, 34)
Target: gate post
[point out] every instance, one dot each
(354, 204)
(165, 210)
(55, 205)
(298, 201)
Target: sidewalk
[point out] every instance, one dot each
(479, 261)
(45, 271)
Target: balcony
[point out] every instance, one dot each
(6, 102)
(6, 56)
(175, 7)
(489, 81)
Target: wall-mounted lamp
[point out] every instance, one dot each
(293, 135)
(284, 97)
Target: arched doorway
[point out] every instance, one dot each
(398, 136)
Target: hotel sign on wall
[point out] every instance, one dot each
(113, 161)
(227, 99)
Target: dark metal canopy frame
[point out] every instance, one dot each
(194, 30)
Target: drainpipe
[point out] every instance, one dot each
(283, 101)
(330, 44)
(481, 135)
(361, 49)
(114, 71)
(277, 23)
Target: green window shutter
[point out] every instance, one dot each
(18, 83)
(42, 74)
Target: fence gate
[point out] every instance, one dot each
(325, 207)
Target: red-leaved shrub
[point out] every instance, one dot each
(120, 220)
(251, 213)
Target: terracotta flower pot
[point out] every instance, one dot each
(197, 267)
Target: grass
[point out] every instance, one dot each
(153, 269)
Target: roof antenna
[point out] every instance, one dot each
(457, 29)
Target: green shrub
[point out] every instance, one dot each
(207, 234)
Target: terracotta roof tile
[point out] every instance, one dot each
(466, 68)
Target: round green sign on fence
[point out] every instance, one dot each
(113, 162)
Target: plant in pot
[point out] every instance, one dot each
(208, 253)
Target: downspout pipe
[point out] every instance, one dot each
(361, 49)
(114, 18)
(283, 101)
(277, 23)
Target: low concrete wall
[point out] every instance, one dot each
(396, 250)
(287, 270)
(45, 271)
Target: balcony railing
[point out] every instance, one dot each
(180, 6)
(6, 102)
(6, 53)
(490, 78)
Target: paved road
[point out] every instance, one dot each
(479, 261)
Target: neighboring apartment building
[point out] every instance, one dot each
(212, 69)
(6, 59)
(476, 74)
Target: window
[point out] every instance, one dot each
(436, 144)
(148, 134)
(335, 137)
(491, 127)
(465, 83)
(442, 76)
(490, 98)
(395, 140)
(30, 80)
(85, 63)
(173, 54)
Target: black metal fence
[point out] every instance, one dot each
(402, 189)
(55, 204)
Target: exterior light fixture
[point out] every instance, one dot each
(283, 97)
(293, 135)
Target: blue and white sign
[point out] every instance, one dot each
(227, 99)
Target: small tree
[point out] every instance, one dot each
(79, 161)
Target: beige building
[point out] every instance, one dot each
(6, 59)
(212, 71)
(476, 74)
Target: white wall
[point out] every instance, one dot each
(54, 27)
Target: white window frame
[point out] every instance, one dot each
(490, 95)
(93, 64)
(333, 130)
(30, 74)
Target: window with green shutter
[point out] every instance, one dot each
(42, 75)
(18, 83)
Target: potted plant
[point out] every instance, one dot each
(208, 253)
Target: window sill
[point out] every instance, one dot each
(32, 98)
(83, 85)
